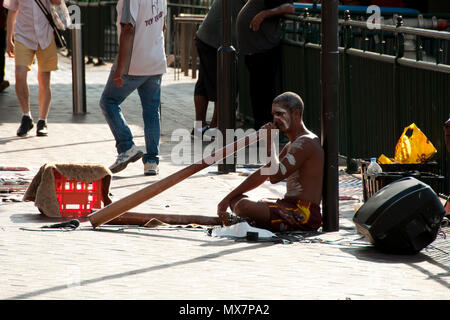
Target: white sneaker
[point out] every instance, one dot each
(151, 169)
(198, 132)
(131, 155)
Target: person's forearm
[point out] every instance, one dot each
(10, 22)
(285, 8)
(265, 14)
(125, 48)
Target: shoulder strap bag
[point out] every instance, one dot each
(59, 39)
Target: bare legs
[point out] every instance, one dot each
(45, 94)
(23, 93)
(258, 212)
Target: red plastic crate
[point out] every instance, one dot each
(77, 198)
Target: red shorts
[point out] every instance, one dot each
(290, 216)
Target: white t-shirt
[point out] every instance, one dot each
(147, 16)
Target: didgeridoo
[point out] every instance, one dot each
(140, 219)
(119, 207)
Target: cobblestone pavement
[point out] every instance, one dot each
(121, 262)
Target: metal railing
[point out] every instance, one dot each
(375, 42)
(184, 49)
(382, 90)
(175, 10)
(98, 28)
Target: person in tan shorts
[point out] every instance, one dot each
(30, 37)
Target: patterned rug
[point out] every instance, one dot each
(14, 181)
(350, 187)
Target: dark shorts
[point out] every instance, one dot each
(290, 216)
(207, 72)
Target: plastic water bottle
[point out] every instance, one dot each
(374, 168)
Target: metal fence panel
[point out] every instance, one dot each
(306, 82)
(371, 113)
(424, 98)
(378, 100)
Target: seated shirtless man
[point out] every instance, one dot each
(300, 162)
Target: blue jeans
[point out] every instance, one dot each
(149, 89)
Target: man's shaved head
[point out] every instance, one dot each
(290, 100)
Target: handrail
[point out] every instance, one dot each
(195, 15)
(382, 27)
(407, 30)
(357, 9)
(190, 6)
(188, 19)
(303, 18)
(398, 30)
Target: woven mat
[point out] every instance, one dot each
(14, 181)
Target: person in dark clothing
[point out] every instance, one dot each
(207, 40)
(258, 36)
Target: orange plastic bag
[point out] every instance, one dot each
(384, 160)
(413, 146)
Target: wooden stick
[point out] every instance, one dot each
(140, 219)
(119, 207)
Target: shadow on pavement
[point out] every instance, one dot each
(428, 254)
(6, 140)
(135, 272)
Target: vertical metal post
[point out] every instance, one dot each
(168, 40)
(352, 166)
(78, 73)
(330, 115)
(307, 37)
(101, 34)
(226, 86)
(399, 53)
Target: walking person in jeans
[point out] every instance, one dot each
(140, 63)
(30, 35)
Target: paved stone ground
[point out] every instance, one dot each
(118, 262)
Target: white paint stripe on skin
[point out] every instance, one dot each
(283, 169)
(297, 144)
(285, 118)
(285, 123)
(291, 159)
(279, 109)
(274, 161)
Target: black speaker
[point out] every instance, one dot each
(403, 217)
